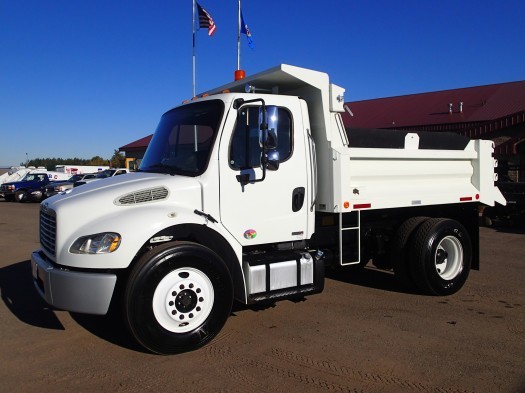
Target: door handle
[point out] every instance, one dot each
(297, 199)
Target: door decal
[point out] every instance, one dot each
(250, 234)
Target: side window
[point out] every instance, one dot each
(245, 151)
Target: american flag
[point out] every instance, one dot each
(205, 20)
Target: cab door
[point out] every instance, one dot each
(277, 208)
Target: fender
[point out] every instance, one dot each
(205, 236)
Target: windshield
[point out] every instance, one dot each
(105, 173)
(34, 176)
(184, 139)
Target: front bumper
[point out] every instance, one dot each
(83, 292)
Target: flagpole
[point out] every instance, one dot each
(193, 59)
(239, 37)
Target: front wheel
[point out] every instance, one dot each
(20, 196)
(440, 257)
(178, 297)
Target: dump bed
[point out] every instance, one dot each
(382, 178)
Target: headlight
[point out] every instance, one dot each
(100, 243)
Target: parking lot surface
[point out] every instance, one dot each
(362, 334)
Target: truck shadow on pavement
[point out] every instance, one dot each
(369, 277)
(109, 328)
(516, 229)
(21, 298)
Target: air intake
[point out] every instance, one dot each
(143, 196)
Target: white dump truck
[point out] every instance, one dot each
(250, 192)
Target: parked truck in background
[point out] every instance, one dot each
(31, 187)
(16, 173)
(80, 169)
(250, 192)
(106, 173)
(56, 187)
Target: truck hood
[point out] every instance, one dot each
(128, 190)
(21, 184)
(136, 206)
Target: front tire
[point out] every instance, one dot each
(441, 254)
(20, 196)
(178, 298)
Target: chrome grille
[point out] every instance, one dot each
(143, 196)
(48, 227)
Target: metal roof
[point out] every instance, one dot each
(139, 144)
(480, 104)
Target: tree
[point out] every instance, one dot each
(51, 163)
(118, 160)
(97, 160)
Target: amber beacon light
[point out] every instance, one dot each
(240, 74)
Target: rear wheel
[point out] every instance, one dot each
(487, 216)
(440, 256)
(400, 248)
(178, 298)
(36, 196)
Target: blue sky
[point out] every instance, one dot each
(82, 78)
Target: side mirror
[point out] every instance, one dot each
(269, 123)
(270, 160)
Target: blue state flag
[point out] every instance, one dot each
(246, 31)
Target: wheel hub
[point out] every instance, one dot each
(186, 301)
(183, 300)
(449, 258)
(441, 256)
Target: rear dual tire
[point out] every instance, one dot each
(434, 255)
(440, 256)
(400, 250)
